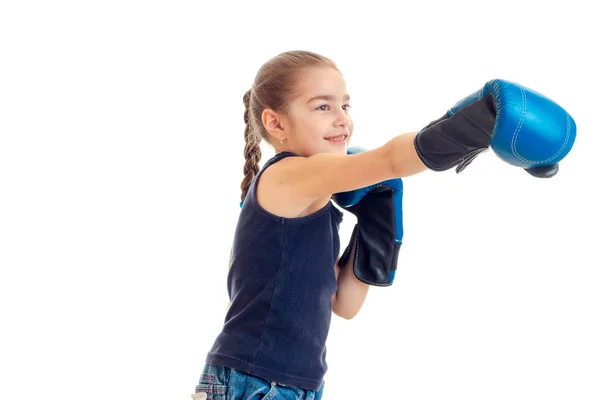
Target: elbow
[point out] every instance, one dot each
(344, 313)
(348, 316)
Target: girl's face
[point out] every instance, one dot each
(318, 120)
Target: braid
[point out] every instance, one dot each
(252, 151)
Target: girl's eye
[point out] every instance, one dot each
(325, 107)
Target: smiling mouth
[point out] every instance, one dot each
(339, 138)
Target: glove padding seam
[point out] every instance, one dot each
(520, 126)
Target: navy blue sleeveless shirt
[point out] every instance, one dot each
(280, 284)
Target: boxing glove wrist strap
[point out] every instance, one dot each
(456, 139)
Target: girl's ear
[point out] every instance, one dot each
(272, 121)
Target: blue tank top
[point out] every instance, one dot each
(280, 284)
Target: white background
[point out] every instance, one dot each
(121, 157)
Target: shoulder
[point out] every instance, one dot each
(278, 194)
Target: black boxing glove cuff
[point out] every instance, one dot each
(455, 140)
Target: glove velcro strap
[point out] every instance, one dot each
(458, 138)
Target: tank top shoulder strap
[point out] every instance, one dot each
(277, 157)
(273, 160)
(268, 163)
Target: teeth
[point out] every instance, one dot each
(337, 138)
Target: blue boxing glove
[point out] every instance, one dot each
(523, 127)
(378, 231)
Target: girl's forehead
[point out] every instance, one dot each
(321, 82)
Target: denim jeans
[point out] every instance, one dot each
(223, 383)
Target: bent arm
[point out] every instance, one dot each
(351, 293)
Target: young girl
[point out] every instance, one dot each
(284, 279)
